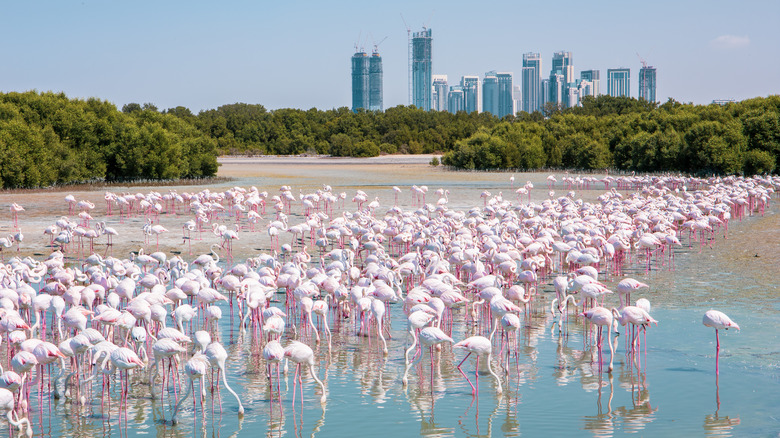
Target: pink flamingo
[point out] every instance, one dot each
(478, 345)
(602, 317)
(15, 209)
(718, 320)
(301, 353)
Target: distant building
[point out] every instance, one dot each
(723, 101)
(360, 81)
(557, 90)
(472, 94)
(422, 69)
(647, 83)
(563, 64)
(591, 76)
(455, 99)
(573, 97)
(619, 82)
(490, 93)
(544, 91)
(440, 93)
(532, 82)
(517, 98)
(585, 88)
(506, 103)
(375, 82)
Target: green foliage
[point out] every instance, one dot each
(434, 161)
(758, 162)
(48, 139)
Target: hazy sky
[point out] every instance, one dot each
(296, 54)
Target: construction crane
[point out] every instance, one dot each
(376, 45)
(409, 59)
(644, 63)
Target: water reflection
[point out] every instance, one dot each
(715, 424)
(603, 423)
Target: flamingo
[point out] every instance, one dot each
(217, 356)
(718, 320)
(273, 353)
(602, 317)
(196, 369)
(15, 209)
(7, 404)
(478, 345)
(301, 353)
(417, 320)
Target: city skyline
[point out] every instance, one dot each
(202, 55)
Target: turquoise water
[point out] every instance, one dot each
(552, 386)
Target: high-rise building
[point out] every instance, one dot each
(490, 93)
(585, 88)
(472, 94)
(506, 104)
(360, 81)
(440, 93)
(619, 82)
(647, 83)
(517, 98)
(573, 97)
(544, 93)
(557, 90)
(455, 99)
(563, 64)
(422, 73)
(591, 76)
(532, 82)
(375, 82)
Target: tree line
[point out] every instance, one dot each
(632, 135)
(47, 138)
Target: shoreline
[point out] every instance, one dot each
(326, 159)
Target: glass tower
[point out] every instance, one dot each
(591, 76)
(422, 73)
(360, 82)
(532, 82)
(455, 99)
(647, 83)
(562, 64)
(506, 103)
(619, 82)
(440, 95)
(490, 93)
(375, 82)
(472, 94)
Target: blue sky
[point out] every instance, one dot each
(296, 54)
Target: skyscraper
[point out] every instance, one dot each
(455, 100)
(558, 90)
(440, 93)
(360, 84)
(472, 94)
(490, 93)
(506, 104)
(375, 82)
(544, 93)
(562, 64)
(619, 82)
(591, 76)
(422, 73)
(647, 83)
(532, 82)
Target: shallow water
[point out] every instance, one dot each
(551, 387)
